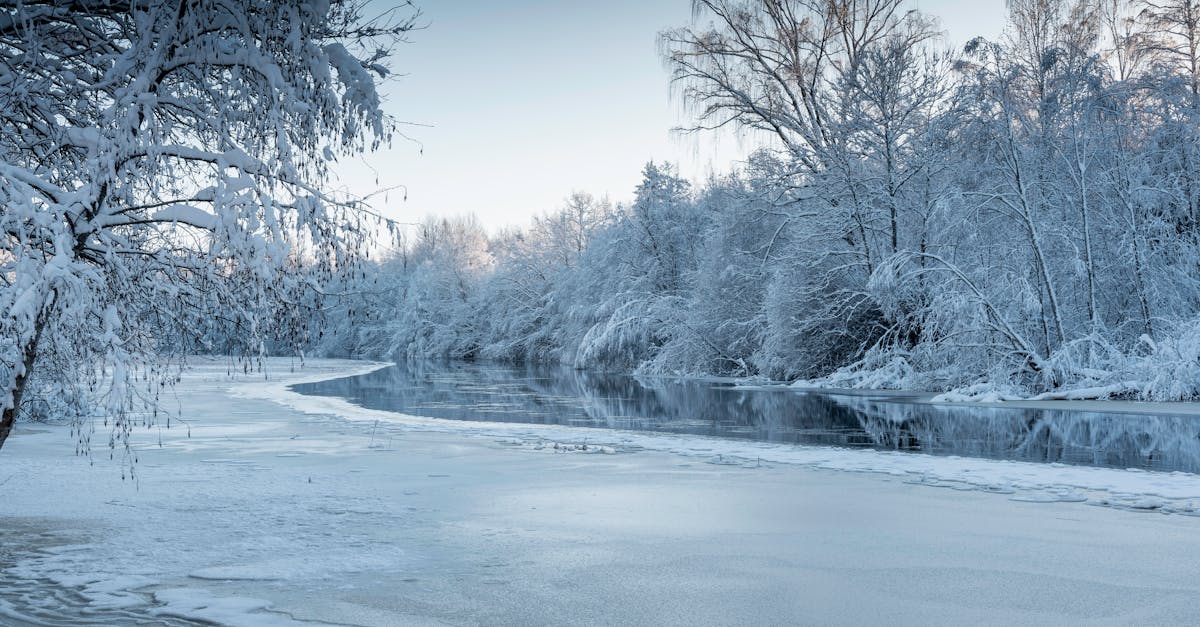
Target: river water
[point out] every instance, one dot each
(538, 394)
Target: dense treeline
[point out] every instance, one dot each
(1017, 216)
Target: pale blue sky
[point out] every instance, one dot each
(524, 101)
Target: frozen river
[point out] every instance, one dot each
(275, 508)
(882, 421)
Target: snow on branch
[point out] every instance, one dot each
(162, 170)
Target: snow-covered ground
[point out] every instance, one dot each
(323, 511)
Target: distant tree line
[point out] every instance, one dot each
(1018, 216)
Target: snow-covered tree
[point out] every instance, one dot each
(1021, 215)
(423, 300)
(1173, 38)
(161, 170)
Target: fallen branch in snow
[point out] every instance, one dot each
(991, 396)
(1092, 393)
(1101, 392)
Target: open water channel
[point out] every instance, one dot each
(539, 394)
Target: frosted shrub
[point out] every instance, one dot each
(1171, 372)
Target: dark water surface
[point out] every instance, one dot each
(884, 421)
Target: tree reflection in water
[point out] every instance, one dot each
(539, 394)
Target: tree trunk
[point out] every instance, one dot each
(28, 358)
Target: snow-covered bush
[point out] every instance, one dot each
(1171, 370)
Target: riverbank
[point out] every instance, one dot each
(1107, 406)
(331, 513)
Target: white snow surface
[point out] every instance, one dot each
(188, 214)
(267, 507)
